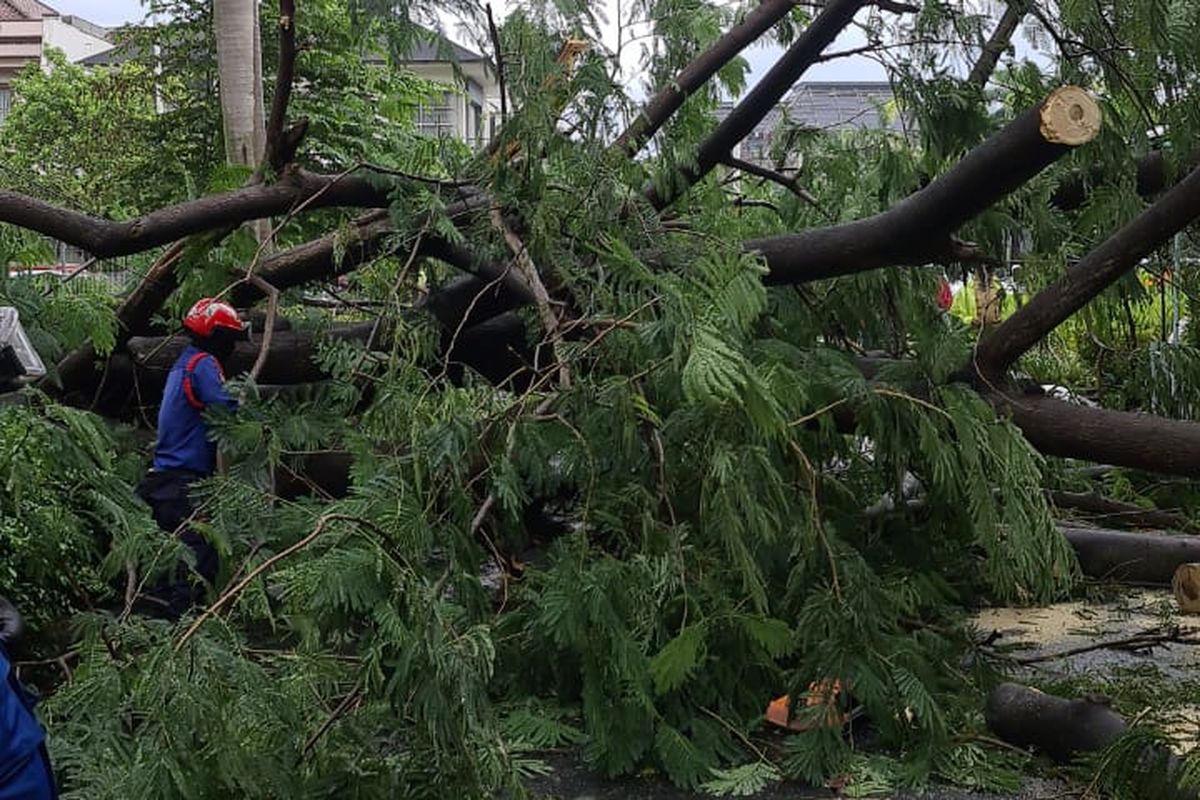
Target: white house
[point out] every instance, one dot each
(472, 113)
(29, 28)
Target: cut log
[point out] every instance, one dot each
(918, 229)
(1058, 727)
(1186, 586)
(1140, 558)
(1063, 729)
(1121, 438)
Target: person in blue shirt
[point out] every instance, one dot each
(25, 772)
(184, 452)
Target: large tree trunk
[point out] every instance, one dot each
(239, 69)
(918, 229)
(1064, 729)
(1137, 558)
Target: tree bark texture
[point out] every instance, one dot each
(1138, 558)
(1063, 729)
(917, 230)
(1122, 438)
(290, 358)
(239, 71)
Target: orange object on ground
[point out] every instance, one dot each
(824, 693)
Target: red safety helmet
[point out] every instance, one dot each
(209, 314)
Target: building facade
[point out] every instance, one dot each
(28, 29)
(472, 112)
(826, 107)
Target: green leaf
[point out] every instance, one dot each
(678, 659)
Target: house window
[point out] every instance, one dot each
(476, 132)
(5, 102)
(436, 120)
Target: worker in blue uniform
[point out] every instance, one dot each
(185, 452)
(25, 772)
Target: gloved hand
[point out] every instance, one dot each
(11, 624)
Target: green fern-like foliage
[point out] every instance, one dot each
(740, 513)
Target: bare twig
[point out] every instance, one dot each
(269, 330)
(231, 593)
(349, 702)
(495, 34)
(1144, 639)
(529, 272)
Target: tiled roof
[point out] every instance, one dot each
(823, 107)
(24, 10)
(431, 46)
(841, 106)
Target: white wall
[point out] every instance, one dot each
(443, 73)
(77, 44)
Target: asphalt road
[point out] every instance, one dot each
(570, 781)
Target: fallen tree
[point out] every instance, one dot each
(1138, 558)
(1065, 729)
(630, 376)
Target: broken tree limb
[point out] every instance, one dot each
(1121, 438)
(918, 229)
(1064, 729)
(1058, 727)
(804, 52)
(107, 238)
(695, 75)
(997, 43)
(1090, 276)
(1139, 558)
(1107, 510)
(279, 149)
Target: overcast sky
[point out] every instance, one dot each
(116, 12)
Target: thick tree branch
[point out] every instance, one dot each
(1090, 276)
(1108, 511)
(1122, 438)
(281, 148)
(807, 48)
(107, 238)
(997, 43)
(700, 71)
(918, 229)
(287, 359)
(370, 237)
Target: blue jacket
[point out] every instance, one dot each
(183, 441)
(20, 733)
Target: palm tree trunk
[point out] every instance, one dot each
(239, 70)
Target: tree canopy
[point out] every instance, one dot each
(599, 437)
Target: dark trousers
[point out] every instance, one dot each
(167, 493)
